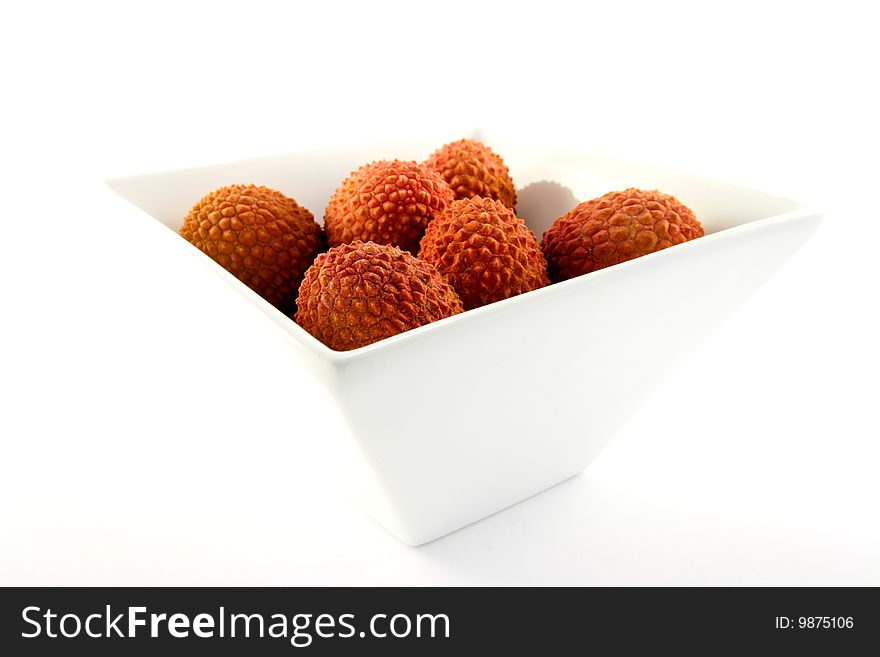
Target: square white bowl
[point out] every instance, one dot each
(498, 403)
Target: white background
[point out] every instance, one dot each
(140, 443)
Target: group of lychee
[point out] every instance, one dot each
(413, 243)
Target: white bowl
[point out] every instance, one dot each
(499, 403)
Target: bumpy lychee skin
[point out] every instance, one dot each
(616, 227)
(485, 251)
(356, 294)
(386, 202)
(473, 169)
(261, 236)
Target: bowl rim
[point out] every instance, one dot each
(800, 211)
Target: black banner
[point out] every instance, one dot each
(336, 621)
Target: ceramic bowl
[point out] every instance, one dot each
(461, 418)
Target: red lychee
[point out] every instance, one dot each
(616, 227)
(358, 293)
(386, 202)
(485, 251)
(473, 169)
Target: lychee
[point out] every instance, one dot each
(473, 169)
(260, 235)
(386, 202)
(616, 227)
(485, 251)
(358, 293)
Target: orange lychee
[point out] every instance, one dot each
(263, 237)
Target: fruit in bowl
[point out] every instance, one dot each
(471, 168)
(386, 202)
(485, 251)
(455, 212)
(614, 228)
(359, 293)
(259, 235)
